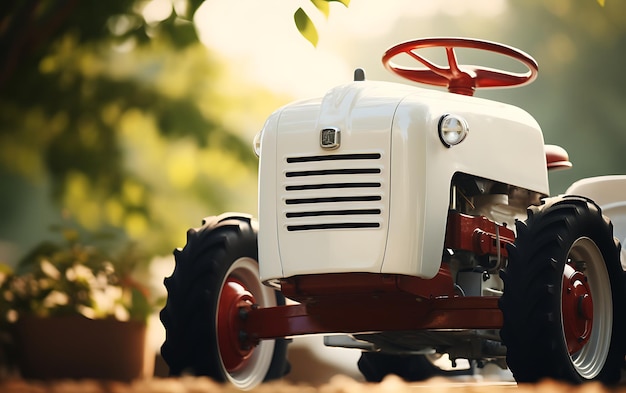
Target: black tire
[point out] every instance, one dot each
(224, 248)
(563, 305)
(375, 366)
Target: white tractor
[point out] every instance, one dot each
(409, 224)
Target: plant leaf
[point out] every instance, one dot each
(347, 2)
(323, 6)
(305, 26)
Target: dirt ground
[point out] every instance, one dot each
(314, 369)
(337, 384)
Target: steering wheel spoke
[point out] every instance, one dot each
(488, 77)
(452, 61)
(432, 67)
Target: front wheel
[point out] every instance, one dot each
(563, 295)
(215, 274)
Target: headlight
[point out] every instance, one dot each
(452, 129)
(256, 143)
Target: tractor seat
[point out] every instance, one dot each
(556, 157)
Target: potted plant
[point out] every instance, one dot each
(75, 312)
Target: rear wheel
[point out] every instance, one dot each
(563, 295)
(215, 274)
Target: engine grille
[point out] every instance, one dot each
(340, 191)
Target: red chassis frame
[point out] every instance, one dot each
(367, 302)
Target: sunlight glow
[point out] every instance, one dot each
(263, 45)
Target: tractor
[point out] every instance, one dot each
(409, 224)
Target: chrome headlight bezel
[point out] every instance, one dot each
(453, 129)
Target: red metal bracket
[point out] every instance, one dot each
(372, 314)
(477, 234)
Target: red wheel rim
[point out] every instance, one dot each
(233, 297)
(577, 309)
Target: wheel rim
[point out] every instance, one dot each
(586, 308)
(243, 367)
(233, 296)
(577, 306)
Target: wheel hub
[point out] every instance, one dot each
(233, 300)
(577, 306)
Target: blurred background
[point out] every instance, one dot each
(136, 118)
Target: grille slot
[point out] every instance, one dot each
(331, 192)
(331, 185)
(325, 172)
(334, 213)
(333, 199)
(336, 157)
(343, 225)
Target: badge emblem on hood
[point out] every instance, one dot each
(330, 138)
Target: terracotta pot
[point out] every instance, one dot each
(75, 347)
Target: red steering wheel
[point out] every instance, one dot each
(460, 79)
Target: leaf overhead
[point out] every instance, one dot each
(305, 26)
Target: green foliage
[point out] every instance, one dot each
(120, 117)
(305, 25)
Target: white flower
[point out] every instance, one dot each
(87, 311)
(49, 269)
(80, 273)
(55, 298)
(121, 313)
(106, 300)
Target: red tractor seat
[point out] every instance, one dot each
(556, 157)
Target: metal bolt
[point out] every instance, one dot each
(243, 338)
